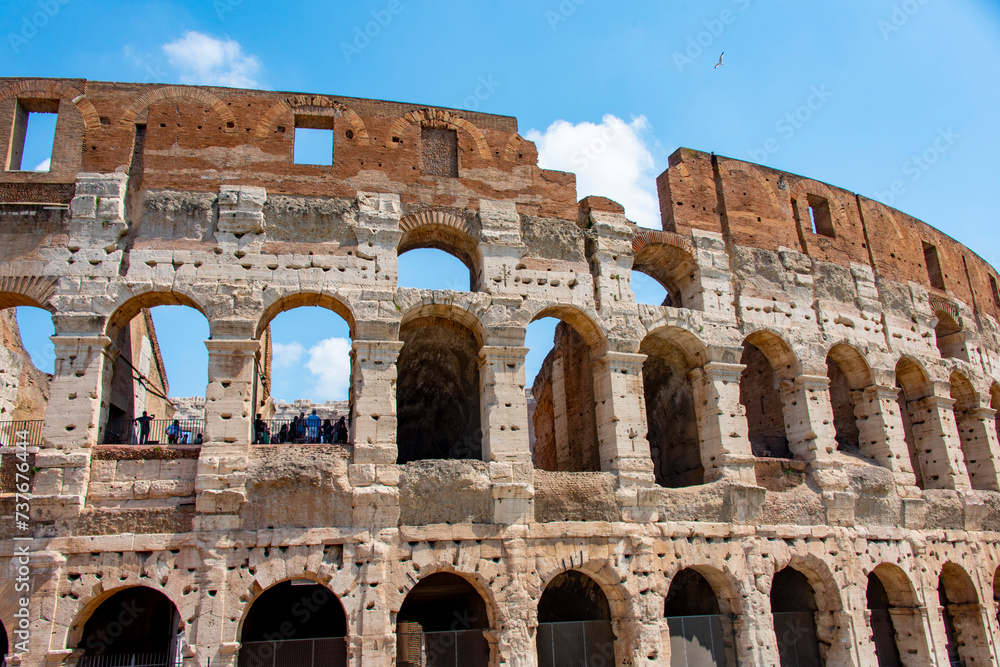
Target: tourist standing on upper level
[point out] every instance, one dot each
(143, 423)
(341, 430)
(174, 433)
(313, 422)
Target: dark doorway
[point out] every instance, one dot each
(700, 635)
(137, 626)
(295, 623)
(883, 630)
(574, 623)
(793, 607)
(760, 396)
(441, 624)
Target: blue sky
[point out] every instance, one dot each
(607, 90)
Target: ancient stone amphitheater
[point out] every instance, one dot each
(793, 460)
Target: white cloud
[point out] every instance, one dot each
(286, 355)
(206, 60)
(330, 365)
(610, 159)
(44, 165)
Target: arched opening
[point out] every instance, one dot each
(441, 238)
(880, 618)
(962, 618)
(673, 272)
(562, 404)
(442, 622)
(135, 626)
(297, 622)
(699, 633)
(651, 291)
(914, 385)
(849, 376)
(433, 269)
(995, 405)
(975, 448)
(949, 337)
(437, 391)
(304, 374)
(159, 374)
(793, 607)
(768, 360)
(27, 358)
(574, 623)
(670, 410)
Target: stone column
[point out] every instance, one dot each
(621, 431)
(978, 432)
(222, 464)
(73, 418)
(722, 423)
(373, 474)
(808, 414)
(942, 464)
(881, 433)
(504, 411)
(912, 632)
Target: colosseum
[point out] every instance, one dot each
(792, 460)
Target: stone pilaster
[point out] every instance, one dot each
(978, 433)
(506, 447)
(714, 295)
(880, 428)
(221, 477)
(241, 218)
(501, 244)
(373, 474)
(809, 428)
(611, 263)
(378, 233)
(942, 464)
(722, 423)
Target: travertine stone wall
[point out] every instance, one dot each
(190, 196)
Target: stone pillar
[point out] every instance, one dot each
(621, 431)
(881, 433)
(936, 435)
(808, 414)
(373, 474)
(500, 244)
(978, 432)
(72, 425)
(912, 632)
(722, 423)
(756, 643)
(504, 411)
(222, 464)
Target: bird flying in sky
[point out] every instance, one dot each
(720, 63)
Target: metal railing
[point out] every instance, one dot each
(22, 431)
(327, 652)
(580, 644)
(699, 641)
(154, 432)
(128, 660)
(296, 431)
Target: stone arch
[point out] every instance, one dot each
(949, 335)
(915, 384)
(18, 289)
(446, 231)
(87, 608)
(328, 624)
(438, 384)
(669, 260)
(180, 93)
(265, 126)
(699, 625)
(438, 118)
(753, 172)
(812, 191)
(796, 616)
(575, 604)
(962, 615)
(972, 436)
(475, 579)
(895, 617)
(584, 323)
(769, 362)
(305, 299)
(42, 88)
(849, 375)
(514, 147)
(671, 409)
(134, 303)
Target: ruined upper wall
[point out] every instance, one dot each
(198, 138)
(756, 206)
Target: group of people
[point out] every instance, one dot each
(302, 429)
(175, 434)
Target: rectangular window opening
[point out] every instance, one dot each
(439, 156)
(819, 214)
(933, 266)
(33, 135)
(314, 140)
(996, 291)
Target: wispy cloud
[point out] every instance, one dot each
(206, 60)
(44, 165)
(330, 367)
(286, 355)
(610, 158)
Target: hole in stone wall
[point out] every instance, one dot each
(760, 396)
(820, 216)
(933, 263)
(313, 140)
(793, 607)
(133, 622)
(433, 269)
(33, 135)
